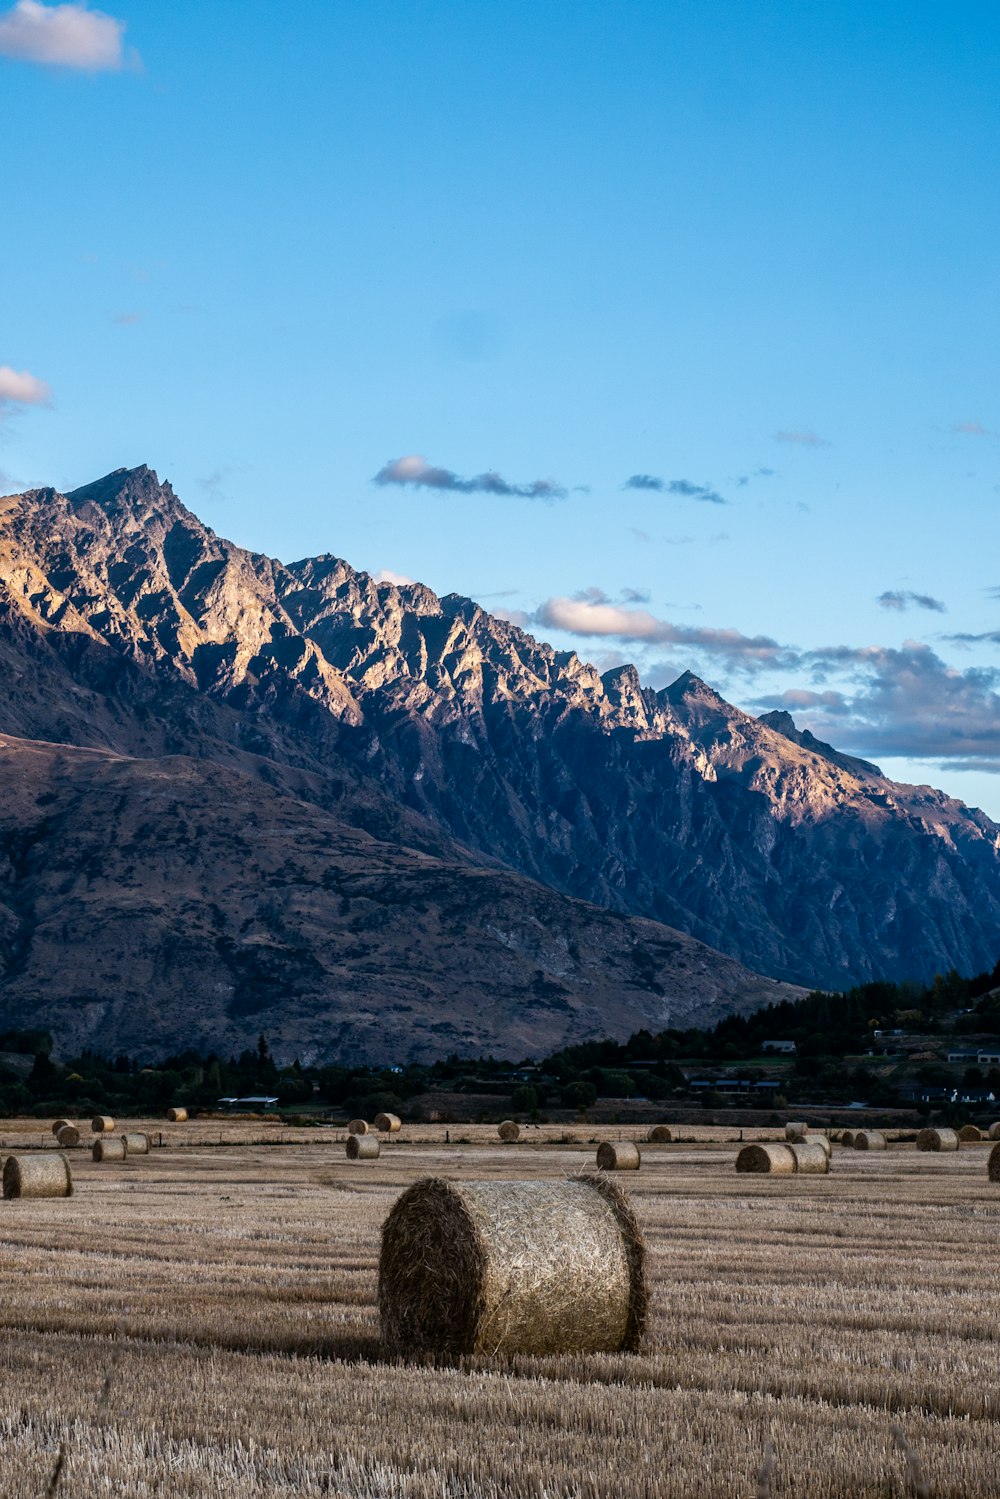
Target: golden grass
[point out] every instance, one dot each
(229, 1290)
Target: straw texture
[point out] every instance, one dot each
(810, 1158)
(43, 1175)
(660, 1134)
(993, 1133)
(870, 1139)
(136, 1143)
(618, 1155)
(511, 1267)
(363, 1147)
(68, 1136)
(773, 1159)
(821, 1141)
(60, 1124)
(993, 1164)
(110, 1149)
(970, 1134)
(792, 1131)
(358, 1127)
(102, 1124)
(847, 1138)
(177, 1115)
(937, 1139)
(388, 1124)
(509, 1130)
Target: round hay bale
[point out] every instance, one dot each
(970, 1134)
(993, 1133)
(512, 1267)
(618, 1155)
(791, 1130)
(363, 1147)
(177, 1115)
(820, 1140)
(388, 1124)
(112, 1148)
(509, 1130)
(773, 1158)
(660, 1134)
(358, 1127)
(870, 1139)
(993, 1164)
(41, 1175)
(102, 1124)
(937, 1139)
(810, 1158)
(60, 1124)
(847, 1138)
(136, 1143)
(68, 1136)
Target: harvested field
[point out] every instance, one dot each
(229, 1291)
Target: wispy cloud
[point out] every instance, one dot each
(64, 36)
(804, 439)
(127, 319)
(758, 473)
(684, 487)
(19, 388)
(417, 472)
(986, 637)
(972, 429)
(591, 615)
(902, 599)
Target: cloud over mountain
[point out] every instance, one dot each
(595, 616)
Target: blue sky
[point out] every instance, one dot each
(743, 254)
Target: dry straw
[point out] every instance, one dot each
(512, 1267)
(847, 1137)
(42, 1175)
(993, 1133)
(136, 1143)
(870, 1139)
(993, 1164)
(358, 1127)
(68, 1136)
(970, 1134)
(363, 1147)
(792, 1131)
(789, 1159)
(821, 1141)
(937, 1139)
(810, 1158)
(177, 1115)
(60, 1124)
(112, 1149)
(618, 1155)
(509, 1130)
(102, 1124)
(660, 1134)
(388, 1124)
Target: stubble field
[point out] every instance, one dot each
(202, 1321)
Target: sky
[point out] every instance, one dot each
(669, 328)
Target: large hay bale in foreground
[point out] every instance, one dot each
(102, 1124)
(136, 1143)
(993, 1164)
(508, 1130)
(810, 1158)
(110, 1149)
(388, 1124)
(970, 1134)
(772, 1158)
(937, 1139)
(358, 1127)
(60, 1124)
(791, 1130)
(660, 1134)
(512, 1267)
(618, 1155)
(177, 1115)
(993, 1133)
(45, 1174)
(68, 1136)
(363, 1147)
(870, 1139)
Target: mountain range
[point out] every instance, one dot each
(242, 795)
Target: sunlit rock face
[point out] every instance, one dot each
(428, 722)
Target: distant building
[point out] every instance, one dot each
(253, 1105)
(781, 1048)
